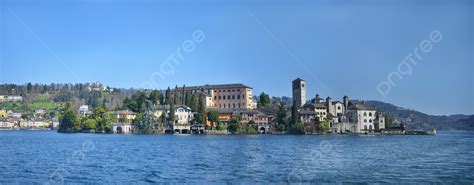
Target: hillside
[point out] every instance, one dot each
(418, 120)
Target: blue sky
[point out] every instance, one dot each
(338, 47)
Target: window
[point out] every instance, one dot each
(228, 97)
(215, 97)
(233, 90)
(365, 121)
(370, 114)
(302, 85)
(365, 113)
(338, 107)
(233, 97)
(223, 97)
(243, 96)
(238, 96)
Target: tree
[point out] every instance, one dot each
(155, 97)
(264, 100)
(68, 121)
(198, 118)
(213, 117)
(98, 112)
(168, 97)
(44, 90)
(89, 124)
(188, 99)
(141, 100)
(324, 126)
(234, 126)
(105, 122)
(195, 103)
(280, 127)
(93, 100)
(162, 99)
(281, 117)
(146, 123)
(388, 121)
(104, 103)
(294, 114)
(176, 95)
(202, 108)
(183, 96)
(29, 87)
(172, 112)
(250, 130)
(297, 128)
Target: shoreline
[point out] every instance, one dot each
(408, 133)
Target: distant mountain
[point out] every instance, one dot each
(417, 120)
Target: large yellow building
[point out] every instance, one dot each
(3, 114)
(237, 96)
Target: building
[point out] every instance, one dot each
(14, 98)
(335, 108)
(237, 96)
(225, 115)
(299, 92)
(34, 124)
(3, 114)
(125, 116)
(84, 110)
(320, 110)
(6, 124)
(260, 120)
(183, 119)
(2, 98)
(183, 114)
(364, 117)
(12, 114)
(123, 125)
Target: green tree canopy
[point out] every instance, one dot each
(68, 121)
(89, 124)
(263, 100)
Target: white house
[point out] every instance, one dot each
(84, 110)
(124, 122)
(363, 117)
(183, 115)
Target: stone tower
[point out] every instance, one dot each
(329, 105)
(346, 103)
(299, 92)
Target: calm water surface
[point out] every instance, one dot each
(47, 156)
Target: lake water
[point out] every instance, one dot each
(50, 157)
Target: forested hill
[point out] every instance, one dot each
(418, 120)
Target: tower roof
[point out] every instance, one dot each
(298, 80)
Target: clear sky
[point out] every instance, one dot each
(338, 47)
